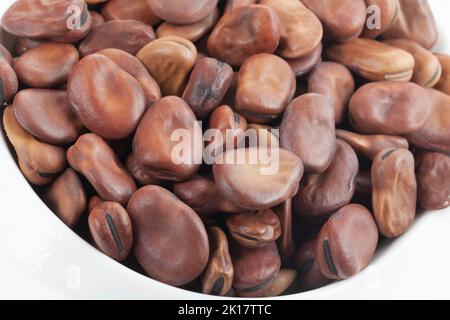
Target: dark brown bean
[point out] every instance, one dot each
(180, 11)
(130, 10)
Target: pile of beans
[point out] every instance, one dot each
(95, 89)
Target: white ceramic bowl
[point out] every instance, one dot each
(41, 258)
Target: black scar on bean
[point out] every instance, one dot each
(114, 232)
(329, 257)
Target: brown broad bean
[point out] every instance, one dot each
(93, 201)
(130, 10)
(262, 136)
(8, 78)
(444, 83)
(233, 4)
(22, 45)
(302, 66)
(388, 14)
(181, 11)
(285, 242)
(97, 19)
(138, 172)
(33, 176)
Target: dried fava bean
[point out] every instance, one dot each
(254, 230)
(6, 55)
(110, 112)
(138, 172)
(33, 176)
(129, 10)
(8, 79)
(394, 194)
(170, 240)
(22, 45)
(169, 60)
(160, 156)
(388, 15)
(192, 32)
(308, 130)
(303, 65)
(95, 160)
(66, 197)
(309, 275)
(335, 82)
(41, 157)
(300, 29)
(347, 242)
(97, 19)
(262, 94)
(373, 60)
(233, 4)
(48, 19)
(262, 136)
(127, 35)
(111, 229)
(427, 68)
(46, 66)
(257, 178)
(137, 70)
(285, 242)
(209, 81)
(433, 180)
(415, 22)
(444, 83)
(243, 32)
(47, 115)
(93, 201)
(434, 135)
(371, 145)
(386, 107)
(343, 20)
(283, 283)
(322, 194)
(181, 11)
(218, 275)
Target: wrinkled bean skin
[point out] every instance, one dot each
(171, 242)
(244, 185)
(346, 243)
(300, 29)
(302, 66)
(392, 108)
(322, 194)
(127, 35)
(138, 172)
(308, 131)
(444, 83)
(427, 68)
(22, 45)
(95, 160)
(111, 229)
(415, 22)
(137, 70)
(8, 78)
(181, 11)
(343, 20)
(169, 60)
(47, 115)
(373, 60)
(41, 157)
(110, 113)
(285, 242)
(218, 275)
(129, 10)
(155, 154)
(209, 81)
(254, 230)
(335, 82)
(434, 135)
(48, 19)
(243, 32)
(389, 12)
(66, 198)
(394, 194)
(371, 145)
(433, 180)
(262, 95)
(47, 66)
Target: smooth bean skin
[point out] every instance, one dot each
(169, 60)
(262, 95)
(66, 197)
(96, 161)
(285, 242)
(170, 240)
(47, 66)
(320, 195)
(243, 32)
(308, 130)
(247, 185)
(346, 243)
(127, 35)
(47, 115)
(444, 83)
(157, 155)
(209, 81)
(392, 108)
(218, 275)
(129, 10)
(335, 82)
(111, 229)
(48, 19)
(22, 45)
(9, 85)
(110, 113)
(394, 191)
(433, 180)
(302, 66)
(389, 13)
(180, 11)
(373, 60)
(371, 145)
